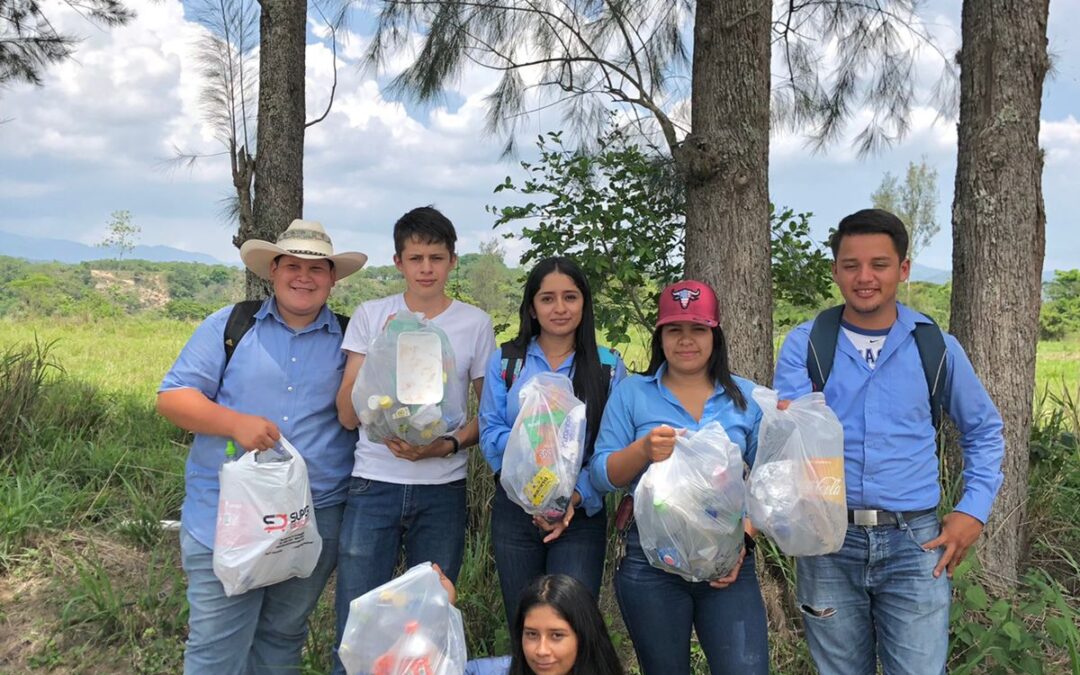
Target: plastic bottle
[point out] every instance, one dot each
(230, 450)
(413, 654)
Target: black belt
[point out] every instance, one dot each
(874, 517)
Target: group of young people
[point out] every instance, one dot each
(882, 598)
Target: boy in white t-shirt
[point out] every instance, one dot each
(401, 494)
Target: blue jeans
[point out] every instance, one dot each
(876, 598)
(660, 608)
(521, 554)
(261, 631)
(429, 520)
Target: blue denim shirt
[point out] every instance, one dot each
(642, 403)
(291, 377)
(890, 459)
(499, 409)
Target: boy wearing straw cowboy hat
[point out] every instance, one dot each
(279, 376)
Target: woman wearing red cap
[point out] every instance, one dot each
(688, 385)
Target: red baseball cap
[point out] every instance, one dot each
(688, 301)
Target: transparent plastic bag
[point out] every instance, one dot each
(266, 530)
(796, 492)
(689, 508)
(407, 626)
(544, 451)
(401, 390)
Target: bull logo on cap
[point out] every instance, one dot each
(685, 296)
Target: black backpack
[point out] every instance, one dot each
(821, 349)
(242, 318)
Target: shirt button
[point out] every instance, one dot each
(285, 418)
(294, 359)
(290, 388)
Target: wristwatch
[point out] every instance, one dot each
(454, 442)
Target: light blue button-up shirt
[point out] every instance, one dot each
(890, 459)
(642, 403)
(291, 377)
(499, 409)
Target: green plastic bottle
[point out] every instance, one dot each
(230, 450)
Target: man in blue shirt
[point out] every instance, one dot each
(282, 379)
(883, 595)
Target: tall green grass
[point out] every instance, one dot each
(87, 470)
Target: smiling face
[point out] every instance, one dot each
(558, 305)
(549, 643)
(426, 268)
(868, 271)
(301, 287)
(687, 346)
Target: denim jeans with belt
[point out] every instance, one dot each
(380, 517)
(660, 608)
(521, 554)
(876, 598)
(262, 630)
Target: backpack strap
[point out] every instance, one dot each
(821, 350)
(512, 359)
(931, 343)
(343, 321)
(242, 318)
(821, 347)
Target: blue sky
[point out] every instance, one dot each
(95, 137)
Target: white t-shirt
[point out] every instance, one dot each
(866, 342)
(473, 340)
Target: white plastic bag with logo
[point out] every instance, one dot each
(545, 448)
(266, 530)
(796, 489)
(407, 626)
(402, 388)
(689, 507)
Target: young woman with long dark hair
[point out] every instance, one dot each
(557, 334)
(687, 386)
(559, 630)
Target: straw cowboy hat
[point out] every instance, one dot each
(304, 239)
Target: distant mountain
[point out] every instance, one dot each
(930, 274)
(62, 250)
(936, 276)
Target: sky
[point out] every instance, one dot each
(97, 137)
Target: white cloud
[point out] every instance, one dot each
(1061, 139)
(91, 141)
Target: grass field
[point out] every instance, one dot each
(90, 583)
(133, 355)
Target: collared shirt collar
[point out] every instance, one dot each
(908, 317)
(324, 318)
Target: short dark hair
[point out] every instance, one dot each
(872, 221)
(573, 602)
(427, 224)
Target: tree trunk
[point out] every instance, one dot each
(279, 162)
(999, 238)
(725, 162)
